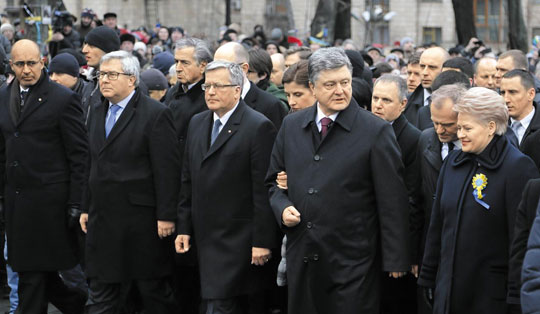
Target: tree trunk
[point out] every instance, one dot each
(517, 32)
(464, 16)
(325, 17)
(343, 20)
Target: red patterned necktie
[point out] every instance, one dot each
(325, 122)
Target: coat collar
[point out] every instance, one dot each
(345, 118)
(491, 158)
(535, 122)
(399, 125)
(123, 120)
(251, 96)
(37, 95)
(417, 97)
(194, 91)
(228, 130)
(432, 152)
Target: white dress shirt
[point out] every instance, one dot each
(321, 115)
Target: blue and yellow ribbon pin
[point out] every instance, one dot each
(479, 183)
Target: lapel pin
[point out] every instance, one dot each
(39, 99)
(230, 131)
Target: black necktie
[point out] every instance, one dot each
(450, 147)
(23, 97)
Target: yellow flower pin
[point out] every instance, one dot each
(479, 182)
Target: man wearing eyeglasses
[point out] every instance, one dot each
(43, 153)
(224, 203)
(130, 205)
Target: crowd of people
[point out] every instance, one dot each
(153, 171)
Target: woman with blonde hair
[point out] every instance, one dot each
(479, 188)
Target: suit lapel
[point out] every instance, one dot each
(99, 132)
(432, 152)
(533, 126)
(251, 96)
(122, 122)
(228, 130)
(36, 97)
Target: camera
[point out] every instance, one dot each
(61, 17)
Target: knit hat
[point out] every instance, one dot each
(64, 63)
(276, 34)
(87, 13)
(139, 45)
(6, 27)
(104, 38)
(154, 79)
(127, 37)
(406, 40)
(163, 61)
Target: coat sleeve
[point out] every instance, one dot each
(183, 223)
(164, 153)
(265, 231)
(392, 201)
(279, 199)
(518, 223)
(75, 140)
(432, 251)
(530, 276)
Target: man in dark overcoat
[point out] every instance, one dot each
(186, 99)
(254, 97)
(43, 149)
(387, 102)
(345, 211)
(517, 88)
(431, 62)
(133, 191)
(224, 202)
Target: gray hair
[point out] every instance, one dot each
(130, 64)
(236, 75)
(484, 105)
(201, 51)
(451, 91)
(327, 59)
(397, 80)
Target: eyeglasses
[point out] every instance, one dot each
(113, 76)
(21, 64)
(218, 86)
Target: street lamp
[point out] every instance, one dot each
(372, 17)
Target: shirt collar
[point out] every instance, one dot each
(123, 103)
(321, 115)
(426, 94)
(226, 116)
(527, 120)
(245, 87)
(24, 90)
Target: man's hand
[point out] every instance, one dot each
(414, 270)
(397, 274)
(290, 216)
(182, 243)
(83, 220)
(57, 36)
(260, 256)
(282, 180)
(165, 228)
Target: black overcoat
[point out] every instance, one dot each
(530, 144)
(467, 250)
(224, 202)
(415, 101)
(42, 171)
(353, 203)
(134, 177)
(266, 103)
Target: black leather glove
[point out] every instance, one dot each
(73, 215)
(428, 296)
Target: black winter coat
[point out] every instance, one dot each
(349, 190)
(134, 177)
(467, 250)
(42, 171)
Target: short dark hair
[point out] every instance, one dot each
(415, 58)
(518, 57)
(260, 62)
(461, 63)
(297, 73)
(381, 68)
(450, 77)
(526, 78)
(303, 52)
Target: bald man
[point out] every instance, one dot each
(484, 73)
(254, 97)
(431, 63)
(43, 151)
(278, 67)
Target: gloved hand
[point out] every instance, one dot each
(73, 215)
(429, 296)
